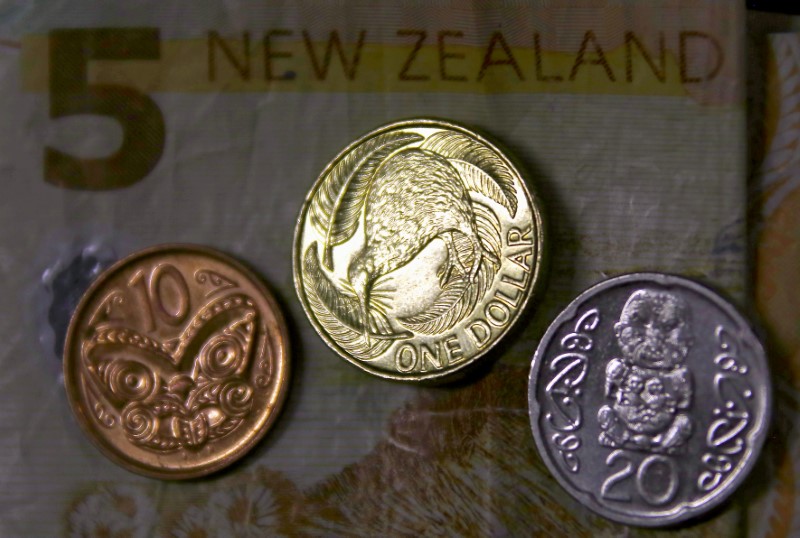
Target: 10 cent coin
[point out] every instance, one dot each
(176, 361)
(417, 249)
(649, 399)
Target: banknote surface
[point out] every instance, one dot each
(127, 125)
(774, 206)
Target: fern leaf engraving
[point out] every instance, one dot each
(477, 180)
(488, 228)
(453, 304)
(458, 299)
(450, 307)
(341, 315)
(461, 147)
(336, 206)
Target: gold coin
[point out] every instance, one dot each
(417, 249)
(176, 361)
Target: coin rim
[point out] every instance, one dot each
(537, 275)
(282, 378)
(685, 511)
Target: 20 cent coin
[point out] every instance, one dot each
(417, 249)
(176, 361)
(649, 399)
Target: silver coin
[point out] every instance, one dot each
(649, 399)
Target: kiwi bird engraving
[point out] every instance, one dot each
(415, 197)
(406, 197)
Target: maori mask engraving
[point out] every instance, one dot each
(205, 397)
(176, 361)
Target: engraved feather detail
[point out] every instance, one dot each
(461, 147)
(341, 315)
(336, 207)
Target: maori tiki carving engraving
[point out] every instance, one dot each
(648, 388)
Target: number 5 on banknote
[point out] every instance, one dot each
(137, 114)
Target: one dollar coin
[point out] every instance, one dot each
(417, 249)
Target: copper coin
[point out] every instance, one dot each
(176, 361)
(417, 249)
